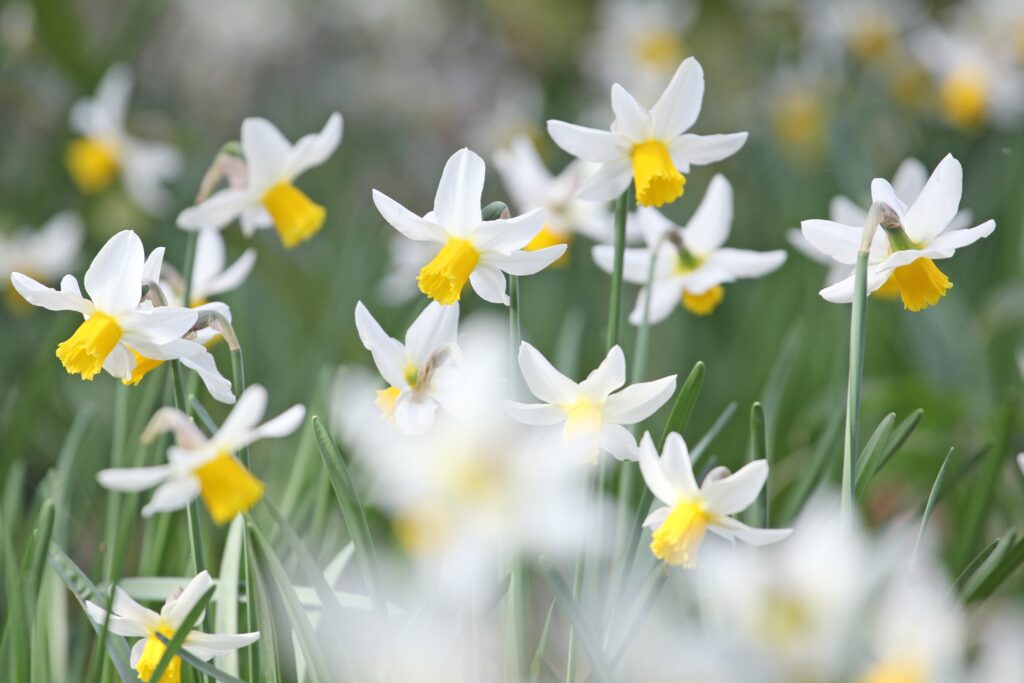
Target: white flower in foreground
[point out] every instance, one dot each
(269, 197)
(475, 251)
(131, 620)
(902, 259)
(593, 411)
(45, 254)
(691, 265)
(419, 372)
(206, 467)
(908, 182)
(531, 186)
(691, 511)
(651, 147)
(105, 148)
(118, 330)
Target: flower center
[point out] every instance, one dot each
(678, 539)
(143, 366)
(704, 303)
(92, 163)
(385, 402)
(872, 38)
(547, 237)
(444, 277)
(964, 97)
(582, 416)
(296, 216)
(660, 48)
(798, 119)
(84, 352)
(151, 655)
(920, 284)
(227, 487)
(895, 671)
(657, 179)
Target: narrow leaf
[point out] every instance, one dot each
(582, 627)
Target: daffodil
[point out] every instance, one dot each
(651, 147)
(206, 467)
(472, 250)
(105, 150)
(119, 328)
(45, 254)
(420, 371)
(531, 186)
(210, 275)
(690, 263)
(869, 29)
(690, 510)
(130, 619)
(269, 197)
(593, 411)
(902, 258)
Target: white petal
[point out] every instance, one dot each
(636, 263)
(202, 363)
(909, 179)
(46, 297)
(538, 414)
(738, 491)
(677, 109)
(956, 239)
(125, 606)
(525, 262)
(619, 442)
(523, 173)
(608, 376)
(844, 210)
(406, 222)
(175, 611)
(631, 119)
(543, 380)
(121, 626)
(155, 263)
(282, 425)
(243, 418)
(119, 362)
(313, 149)
(220, 209)
(457, 202)
(842, 292)
(744, 263)
(610, 181)
(935, 207)
(209, 257)
(639, 401)
(704, 149)
(882, 191)
(389, 355)
(266, 151)
(174, 494)
(231, 278)
(665, 297)
(435, 328)
(709, 226)
(414, 416)
(506, 234)
(589, 143)
(133, 479)
(731, 528)
(841, 242)
(653, 474)
(114, 279)
(216, 644)
(657, 518)
(166, 419)
(489, 283)
(677, 466)
(157, 325)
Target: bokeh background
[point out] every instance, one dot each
(833, 94)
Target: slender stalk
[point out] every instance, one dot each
(112, 560)
(615, 300)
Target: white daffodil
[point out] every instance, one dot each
(420, 372)
(118, 329)
(105, 149)
(475, 251)
(131, 620)
(651, 147)
(869, 29)
(210, 275)
(45, 254)
(690, 510)
(206, 467)
(901, 259)
(690, 263)
(531, 186)
(593, 411)
(908, 182)
(978, 82)
(269, 197)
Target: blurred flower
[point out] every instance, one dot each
(1000, 658)
(43, 254)
(105, 148)
(901, 258)
(691, 511)
(210, 276)
(206, 467)
(532, 186)
(131, 620)
(869, 29)
(118, 329)
(475, 251)
(798, 109)
(594, 410)
(421, 371)
(690, 264)
(648, 145)
(638, 43)
(269, 197)
(1002, 20)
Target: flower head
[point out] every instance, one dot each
(690, 263)
(594, 410)
(131, 620)
(206, 466)
(902, 258)
(649, 146)
(690, 510)
(473, 251)
(106, 150)
(269, 197)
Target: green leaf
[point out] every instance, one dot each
(698, 451)
(226, 596)
(758, 450)
(932, 497)
(178, 639)
(35, 555)
(898, 437)
(981, 497)
(580, 625)
(686, 399)
(1005, 559)
(871, 454)
(971, 568)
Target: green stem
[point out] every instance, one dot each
(112, 561)
(615, 300)
(186, 273)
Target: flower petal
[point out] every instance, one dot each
(157, 325)
(677, 466)
(435, 328)
(284, 424)
(956, 239)
(51, 299)
(709, 227)
(608, 376)
(537, 414)
(653, 473)
(665, 297)
(589, 143)
(506, 234)
(736, 492)
(610, 181)
(313, 149)
(114, 279)
(639, 401)
(173, 494)
(704, 149)
(133, 479)
(543, 380)
(935, 207)
(406, 222)
(175, 611)
(389, 355)
(631, 120)
(731, 528)
(744, 263)
(489, 282)
(414, 416)
(678, 107)
(266, 151)
(525, 262)
(220, 209)
(242, 419)
(619, 442)
(457, 202)
(209, 645)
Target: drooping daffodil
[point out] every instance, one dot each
(651, 147)
(203, 466)
(269, 198)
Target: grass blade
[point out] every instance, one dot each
(874, 449)
(936, 487)
(173, 644)
(580, 625)
(815, 471)
(969, 570)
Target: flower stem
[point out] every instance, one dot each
(615, 300)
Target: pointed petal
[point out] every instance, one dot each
(731, 528)
(537, 414)
(457, 202)
(525, 262)
(173, 494)
(631, 119)
(414, 416)
(639, 401)
(435, 328)
(406, 222)
(242, 419)
(935, 207)
(956, 239)
(665, 297)
(738, 491)
(489, 282)
(744, 263)
(653, 474)
(114, 279)
(133, 479)
(389, 355)
(220, 209)
(678, 107)
(591, 144)
(313, 149)
(610, 181)
(709, 227)
(677, 466)
(176, 611)
(619, 442)
(608, 376)
(543, 380)
(46, 297)
(704, 149)
(266, 151)
(506, 234)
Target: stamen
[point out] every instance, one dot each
(84, 352)
(296, 216)
(151, 655)
(678, 539)
(920, 284)
(704, 303)
(444, 277)
(227, 488)
(92, 164)
(657, 179)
